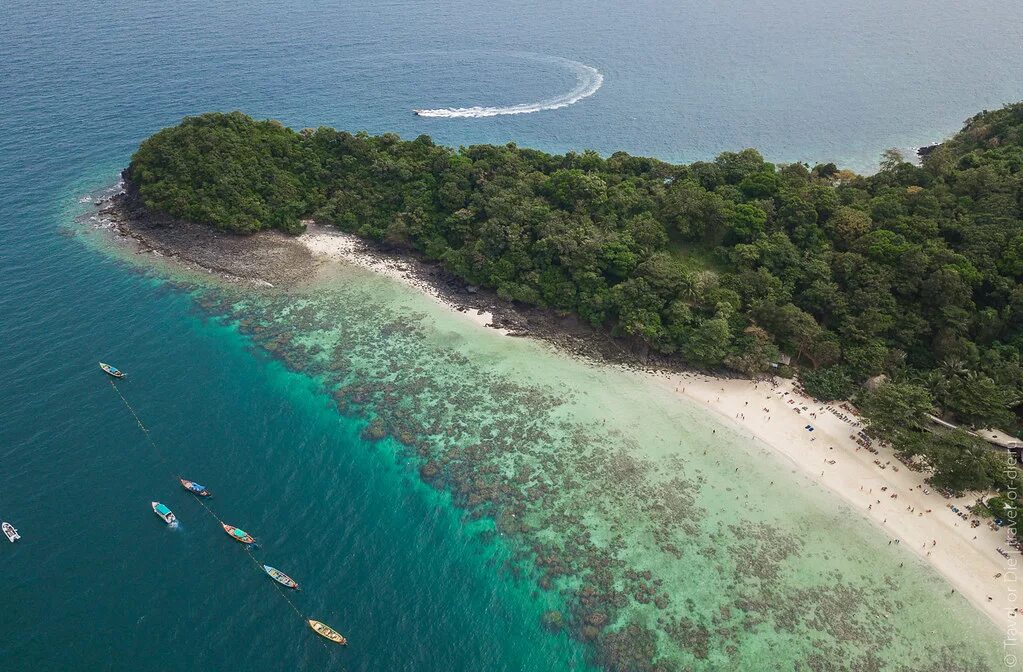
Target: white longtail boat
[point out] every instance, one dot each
(12, 534)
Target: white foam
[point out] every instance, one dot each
(588, 81)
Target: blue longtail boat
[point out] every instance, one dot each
(280, 577)
(112, 370)
(194, 487)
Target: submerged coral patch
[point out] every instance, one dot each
(663, 557)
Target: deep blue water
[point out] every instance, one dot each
(97, 583)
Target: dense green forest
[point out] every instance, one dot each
(912, 272)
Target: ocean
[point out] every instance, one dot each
(312, 416)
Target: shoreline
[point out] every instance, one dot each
(347, 248)
(966, 557)
(968, 565)
(273, 260)
(268, 260)
(828, 456)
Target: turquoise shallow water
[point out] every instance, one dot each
(376, 551)
(412, 581)
(634, 508)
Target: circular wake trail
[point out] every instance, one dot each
(587, 81)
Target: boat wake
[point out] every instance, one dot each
(588, 81)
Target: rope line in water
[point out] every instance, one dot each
(135, 415)
(259, 567)
(248, 549)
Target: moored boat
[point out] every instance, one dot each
(12, 534)
(112, 370)
(327, 632)
(166, 514)
(194, 488)
(280, 577)
(238, 534)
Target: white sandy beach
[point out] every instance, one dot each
(965, 556)
(332, 244)
(918, 518)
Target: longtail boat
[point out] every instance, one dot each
(112, 370)
(280, 577)
(327, 632)
(194, 488)
(238, 534)
(12, 534)
(165, 514)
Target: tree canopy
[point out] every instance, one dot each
(913, 272)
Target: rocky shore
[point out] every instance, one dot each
(268, 258)
(278, 260)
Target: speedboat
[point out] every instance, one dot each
(238, 534)
(166, 514)
(112, 370)
(12, 534)
(280, 577)
(327, 632)
(194, 488)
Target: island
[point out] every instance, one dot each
(865, 328)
